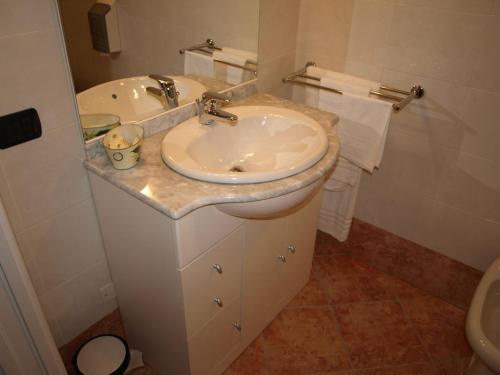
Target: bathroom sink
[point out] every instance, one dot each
(128, 99)
(267, 143)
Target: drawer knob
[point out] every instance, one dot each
(291, 248)
(282, 258)
(237, 326)
(218, 301)
(217, 267)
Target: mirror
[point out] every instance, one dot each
(132, 58)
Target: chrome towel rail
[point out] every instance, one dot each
(209, 43)
(300, 77)
(209, 47)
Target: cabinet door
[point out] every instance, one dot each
(301, 235)
(263, 272)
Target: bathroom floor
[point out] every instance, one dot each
(354, 320)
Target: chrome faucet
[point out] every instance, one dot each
(209, 108)
(167, 93)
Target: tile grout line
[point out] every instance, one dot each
(419, 336)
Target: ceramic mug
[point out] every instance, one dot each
(123, 145)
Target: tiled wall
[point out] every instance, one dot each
(439, 183)
(278, 25)
(42, 182)
(152, 32)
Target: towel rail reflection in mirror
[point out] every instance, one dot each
(300, 77)
(209, 47)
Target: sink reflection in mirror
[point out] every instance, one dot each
(151, 35)
(128, 99)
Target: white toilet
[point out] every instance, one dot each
(483, 324)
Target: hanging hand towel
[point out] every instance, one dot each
(197, 63)
(251, 57)
(227, 73)
(345, 82)
(363, 124)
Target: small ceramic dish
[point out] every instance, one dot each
(96, 124)
(123, 145)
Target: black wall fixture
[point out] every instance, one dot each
(19, 127)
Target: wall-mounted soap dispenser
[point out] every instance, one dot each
(103, 22)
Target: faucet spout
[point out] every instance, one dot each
(170, 96)
(209, 109)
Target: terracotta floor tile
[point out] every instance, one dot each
(304, 341)
(378, 334)
(416, 369)
(251, 362)
(441, 327)
(347, 281)
(397, 288)
(456, 366)
(314, 293)
(327, 245)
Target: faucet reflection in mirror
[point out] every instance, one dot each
(167, 93)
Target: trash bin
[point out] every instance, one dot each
(102, 355)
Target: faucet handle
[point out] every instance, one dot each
(155, 91)
(162, 80)
(215, 96)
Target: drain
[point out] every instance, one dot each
(114, 96)
(236, 168)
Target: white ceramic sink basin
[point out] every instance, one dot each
(267, 143)
(128, 98)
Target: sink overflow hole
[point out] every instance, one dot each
(236, 169)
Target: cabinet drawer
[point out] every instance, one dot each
(202, 283)
(201, 229)
(209, 346)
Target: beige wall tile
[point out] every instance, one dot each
(73, 248)
(398, 197)
(476, 6)
(278, 26)
(369, 32)
(471, 184)
(462, 236)
(34, 76)
(496, 7)
(324, 26)
(481, 114)
(18, 17)
(485, 72)
(78, 303)
(437, 115)
(46, 176)
(272, 71)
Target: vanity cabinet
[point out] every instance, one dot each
(194, 292)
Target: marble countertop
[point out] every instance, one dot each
(155, 184)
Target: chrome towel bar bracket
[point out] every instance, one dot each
(209, 47)
(300, 77)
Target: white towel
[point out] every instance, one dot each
(363, 124)
(197, 63)
(227, 73)
(251, 57)
(345, 173)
